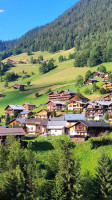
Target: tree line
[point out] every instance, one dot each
(23, 176)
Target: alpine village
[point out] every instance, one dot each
(56, 108)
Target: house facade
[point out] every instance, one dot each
(56, 105)
(55, 128)
(36, 126)
(90, 81)
(43, 114)
(10, 109)
(98, 74)
(76, 105)
(107, 85)
(19, 122)
(29, 106)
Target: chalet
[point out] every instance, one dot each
(63, 95)
(71, 119)
(43, 114)
(89, 110)
(29, 106)
(82, 130)
(82, 99)
(4, 132)
(91, 81)
(76, 105)
(108, 97)
(25, 114)
(19, 122)
(107, 85)
(98, 74)
(36, 126)
(56, 127)
(18, 85)
(106, 76)
(1, 95)
(10, 109)
(56, 105)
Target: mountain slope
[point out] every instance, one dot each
(85, 18)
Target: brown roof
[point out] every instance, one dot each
(43, 110)
(14, 131)
(40, 122)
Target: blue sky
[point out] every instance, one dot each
(19, 16)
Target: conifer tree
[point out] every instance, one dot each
(104, 177)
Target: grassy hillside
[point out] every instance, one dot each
(62, 77)
(43, 146)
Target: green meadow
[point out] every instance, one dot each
(62, 77)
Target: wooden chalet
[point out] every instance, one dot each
(10, 109)
(63, 95)
(1, 95)
(89, 110)
(19, 122)
(18, 85)
(107, 85)
(25, 114)
(36, 126)
(56, 105)
(18, 132)
(71, 119)
(76, 105)
(108, 97)
(82, 99)
(29, 106)
(98, 74)
(105, 78)
(43, 114)
(83, 130)
(90, 81)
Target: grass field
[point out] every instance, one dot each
(88, 158)
(62, 77)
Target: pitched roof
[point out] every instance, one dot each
(95, 124)
(92, 79)
(74, 117)
(43, 110)
(30, 104)
(70, 91)
(56, 124)
(14, 131)
(25, 112)
(57, 119)
(40, 122)
(16, 107)
(21, 120)
(104, 103)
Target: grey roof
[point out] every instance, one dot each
(57, 119)
(21, 120)
(14, 131)
(74, 117)
(95, 124)
(104, 103)
(92, 79)
(59, 102)
(25, 112)
(16, 107)
(56, 124)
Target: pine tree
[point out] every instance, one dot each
(104, 177)
(67, 178)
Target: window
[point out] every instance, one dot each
(31, 128)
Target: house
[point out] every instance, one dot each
(25, 114)
(98, 74)
(76, 105)
(43, 114)
(63, 95)
(11, 109)
(91, 81)
(82, 99)
(56, 105)
(107, 85)
(36, 126)
(29, 106)
(4, 132)
(19, 122)
(56, 127)
(18, 85)
(1, 95)
(106, 76)
(108, 97)
(82, 130)
(71, 119)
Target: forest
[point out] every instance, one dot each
(87, 26)
(23, 175)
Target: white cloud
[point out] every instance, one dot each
(1, 11)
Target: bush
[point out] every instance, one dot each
(36, 94)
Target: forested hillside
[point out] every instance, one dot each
(87, 26)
